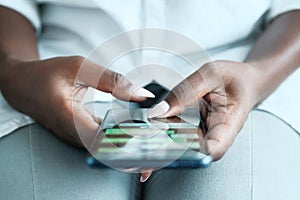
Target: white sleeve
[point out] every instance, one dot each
(27, 8)
(278, 7)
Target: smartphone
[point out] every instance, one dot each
(128, 139)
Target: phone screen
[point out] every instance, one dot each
(129, 139)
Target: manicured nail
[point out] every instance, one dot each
(159, 109)
(144, 178)
(142, 92)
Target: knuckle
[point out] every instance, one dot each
(77, 60)
(185, 94)
(180, 91)
(176, 95)
(117, 78)
(212, 75)
(70, 65)
(208, 69)
(208, 64)
(117, 83)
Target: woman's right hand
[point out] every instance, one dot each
(50, 91)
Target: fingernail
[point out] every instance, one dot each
(142, 92)
(144, 178)
(159, 109)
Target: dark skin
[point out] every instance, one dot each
(230, 90)
(273, 58)
(55, 91)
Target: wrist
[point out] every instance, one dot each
(263, 80)
(8, 64)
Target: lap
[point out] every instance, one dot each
(37, 165)
(263, 163)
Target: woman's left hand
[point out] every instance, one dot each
(226, 92)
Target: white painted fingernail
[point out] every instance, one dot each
(142, 92)
(144, 178)
(159, 109)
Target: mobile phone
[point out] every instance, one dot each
(128, 139)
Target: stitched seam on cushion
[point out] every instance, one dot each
(30, 149)
(251, 158)
(135, 187)
(131, 189)
(278, 117)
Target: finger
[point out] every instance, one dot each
(123, 89)
(181, 96)
(93, 75)
(203, 108)
(223, 126)
(145, 174)
(82, 126)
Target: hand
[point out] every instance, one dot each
(226, 93)
(50, 91)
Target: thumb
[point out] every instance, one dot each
(223, 126)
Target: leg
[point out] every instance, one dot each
(37, 165)
(261, 164)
